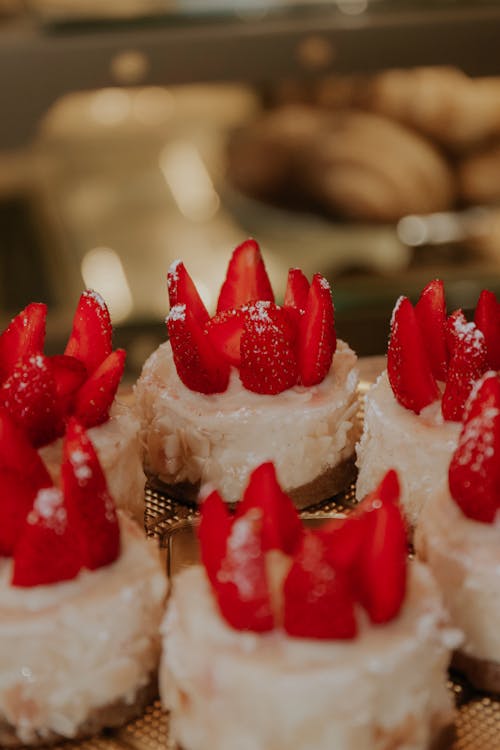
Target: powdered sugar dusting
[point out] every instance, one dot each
(80, 463)
(178, 312)
(96, 297)
(324, 283)
(398, 304)
(173, 269)
(49, 507)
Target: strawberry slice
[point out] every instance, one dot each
(431, 316)
(474, 473)
(246, 278)
(318, 602)
(268, 360)
(90, 506)
(182, 291)
(408, 366)
(17, 453)
(213, 532)
(281, 526)
(487, 319)
(225, 331)
(24, 336)
(17, 495)
(317, 338)
(69, 374)
(90, 339)
(297, 289)
(197, 363)
(241, 585)
(95, 398)
(381, 569)
(467, 364)
(343, 539)
(48, 550)
(29, 396)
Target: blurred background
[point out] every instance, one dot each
(359, 138)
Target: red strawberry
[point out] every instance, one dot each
(246, 278)
(268, 361)
(297, 289)
(474, 474)
(225, 331)
(318, 602)
(17, 494)
(317, 339)
(241, 585)
(48, 550)
(408, 366)
(17, 453)
(197, 363)
(29, 396)
(213, 532)
(431, 316)
(182, 291)
(381, 568)
(90, 506)
(281, 526)
(487, 319)
(23, 337)
(90, 339)
(343, 539)
(69, 374)
(94, 399)
(467, 364)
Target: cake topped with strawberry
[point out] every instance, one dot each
(81, 596)
(256, 381)
(459, 535)
(325, 637)
(42, 393)
(414, 411)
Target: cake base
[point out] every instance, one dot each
(334, 480)
(482, 674)
(112, 716)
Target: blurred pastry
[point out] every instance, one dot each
(478, 176)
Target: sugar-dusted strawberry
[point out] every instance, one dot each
(343, 539)
(17, 493)
(317, 338)
(24, 336)
(90, 506)
(18, 455)
(69, 374)
(29, 396)
(94, 399)
(381, 569)
(182, 291)
(297, 289)
(198, 364)
(474, 473)
(487, 319)
(408, 366)
(281, 526)
(48, 549)
(213, 532)
(241, 585)
(268, 360)
(318, 602)
(431, 316)
(467, 364)
(246, 278)
(90, 339)
(225, 331)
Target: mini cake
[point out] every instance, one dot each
(288, 637)
(256, 382)
(81, 597)
(413, 412)
(459, 536)
(41, 393)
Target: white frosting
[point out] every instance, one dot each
(419, 447)
(229, 689)
(72, 647)
(465, 557)
(118, 448)
(221, 438)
